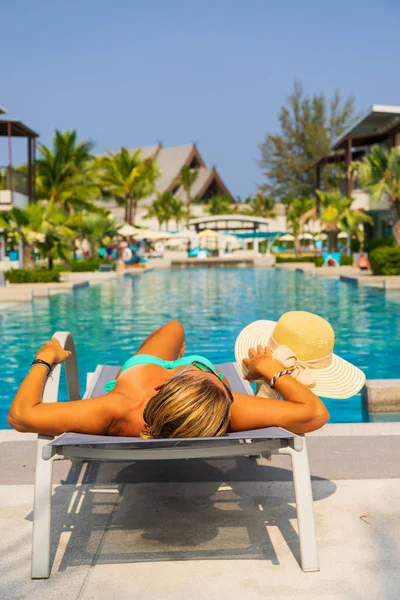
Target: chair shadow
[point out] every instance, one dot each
(217, 516)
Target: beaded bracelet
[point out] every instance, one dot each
(277, 375)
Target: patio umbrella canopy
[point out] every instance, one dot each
(288, 237)
(321, 236)
(128, 230)
(185, 234)
(208, 233)
(306, 236)
(148, 234)
(342, 235)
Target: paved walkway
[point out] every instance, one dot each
(196, 529)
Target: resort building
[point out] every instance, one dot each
(380, 125)
(170, 161)
(17, 186)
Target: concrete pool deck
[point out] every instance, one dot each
(198, 529)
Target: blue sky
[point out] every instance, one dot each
(214, 71)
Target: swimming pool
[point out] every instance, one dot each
(109, 321)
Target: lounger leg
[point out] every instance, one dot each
(42, 513)
(305, 510)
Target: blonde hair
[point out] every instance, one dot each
(191, 405)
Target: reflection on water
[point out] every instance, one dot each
(109, 321)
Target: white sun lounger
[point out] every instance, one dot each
(76, 446)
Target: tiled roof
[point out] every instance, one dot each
(204, 177)
(170, 162)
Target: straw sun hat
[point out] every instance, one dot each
(303, 342)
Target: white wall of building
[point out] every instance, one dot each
(8, 199)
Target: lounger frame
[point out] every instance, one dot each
(265, 443)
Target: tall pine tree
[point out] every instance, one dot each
(309, 125)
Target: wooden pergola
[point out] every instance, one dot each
(15, 129)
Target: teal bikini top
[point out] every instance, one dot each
(148, 359)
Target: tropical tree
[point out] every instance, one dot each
(336, 215)
(260, 206)
(55, 232)
(178, 212)
(186, 179)
(16, 226)
(299, 211)
(43, 227)
(221, 205)
(128, 178)
(308, 126)
(97, 229)
(379, 175)
(161, 208)
(64, 175)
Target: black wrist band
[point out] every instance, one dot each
(39, 361)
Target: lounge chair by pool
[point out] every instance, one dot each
(77, 446)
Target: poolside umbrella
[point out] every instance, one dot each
(306, 236)
(208, 233)
(185, 234)
(288, 237)
(342, 235)
(128, 230)
(148, 234)
(321, 236)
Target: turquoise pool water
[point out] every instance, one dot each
(109, 321)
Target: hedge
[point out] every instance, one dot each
(317, 260)
(85, 265)
(346, 260)
(382, 242)
(22, 276)
(385, 261)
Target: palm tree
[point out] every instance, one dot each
(379, 174)
(128, 178)
(299, 211)
(55, 232)
(43, 227)
(63, 173)
(187, 178)
(161, 208)
(98, 229)
(178, 212)
(16, 226)
(336, 214)
(221, 205)
(260, 206)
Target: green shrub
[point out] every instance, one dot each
(383, 242)
(355, 244)
(346, 261)
(56, 267)
(84, 265)
(317, 260)
(22, 276)
(385, 261)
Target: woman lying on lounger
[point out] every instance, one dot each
(160, 393)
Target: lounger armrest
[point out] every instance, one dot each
(51, 388)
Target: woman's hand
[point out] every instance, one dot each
(261, 364)
(52, 352)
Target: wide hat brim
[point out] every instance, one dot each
(339, 380)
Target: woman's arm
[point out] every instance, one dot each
(167, 343)
(300, 411)
(28, 413)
